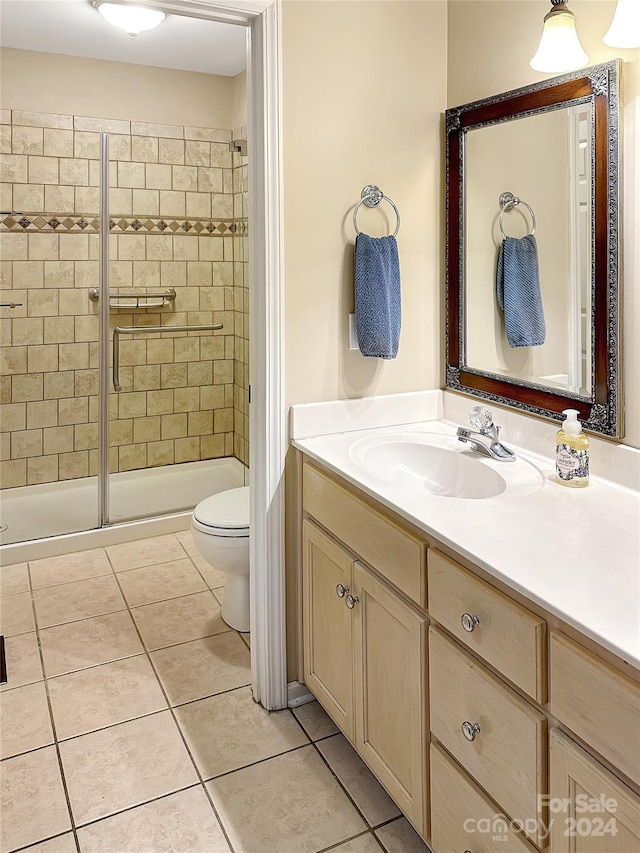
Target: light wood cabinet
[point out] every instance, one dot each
(365, 661)
(591, 810)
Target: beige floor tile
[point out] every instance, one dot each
(180, 823)
(70, 602)
(203, 667)
(124, 766)
(24, 720)
(16, 614)
(61, 844)
(363, 844)
(104, 695)
(90, 642)
(229, 731)
(186, 540)
(145, 552)
(179, 620)
(288, 803)
(23, 660)
(69, 567)
(400, 837)
(32, 803)
(158, 583)
(214, 577)
(14, 579)
(360, 783)
(315, 721)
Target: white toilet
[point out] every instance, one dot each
(220, 528)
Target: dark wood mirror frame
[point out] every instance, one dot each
(601, 411)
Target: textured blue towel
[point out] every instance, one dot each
(518, 285)
(378, 315)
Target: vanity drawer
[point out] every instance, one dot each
(506, 635)
(397, 554)
(463, 817)
(597, 702)
(506, 755)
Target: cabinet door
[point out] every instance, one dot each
(390, 681)
(328, 647)
(590, 810)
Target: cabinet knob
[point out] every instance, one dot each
(341, 590)
(469, 622)
(470, 730)
(352, 600)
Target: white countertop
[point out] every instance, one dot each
(574, 552)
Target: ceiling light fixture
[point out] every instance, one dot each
(625, 27)
(132, 19)
(559, 49)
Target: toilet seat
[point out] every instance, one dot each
(224, 514)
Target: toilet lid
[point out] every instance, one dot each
(227, 510)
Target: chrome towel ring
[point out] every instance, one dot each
(371, 196)
(507, 202)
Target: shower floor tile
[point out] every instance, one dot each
(141, 733)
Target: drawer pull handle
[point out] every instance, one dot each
(470, 730)
(352, 600)
(341, 590)
(469, 622)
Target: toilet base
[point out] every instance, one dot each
(235, 604)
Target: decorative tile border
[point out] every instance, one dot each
(48, 223)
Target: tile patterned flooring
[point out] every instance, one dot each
(128, 724)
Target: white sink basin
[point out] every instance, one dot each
(439, 464)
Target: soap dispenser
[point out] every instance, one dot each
(572, 452)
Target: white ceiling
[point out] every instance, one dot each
(75, 28)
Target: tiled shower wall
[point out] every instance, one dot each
(172, 225)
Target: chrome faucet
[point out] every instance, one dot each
(485, 438)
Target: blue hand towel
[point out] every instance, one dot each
(378, 314)
(518, 286)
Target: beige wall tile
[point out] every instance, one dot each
(146, 202)
(43, 170)
(146, 429)
(6, 196)
(73, 465)
(58, 330)
(5, 140)
(74, 247)
(160, 351)
(174, 426)
(209, 180)
(187, 449)
(58, 199)
(42, 413)
(27, 330)
(207, 134)
(86, 328)
(212, 446)
(121, 275)
(187, 349)
(131, 175)
(86, 382)
(220, 155)
(146, 274)
(158, 176)
(42, 119)
(159, 248)
(73, 356)
(58, 439)
(142, 128)
(160, 402)
(87, 200)
(27, 140)
(199, 274)
(42, 469)
(185, 248)
(13, 168)
(5, 389)
(211, 299)
(5, 116)
(131, 247)
(223, 420)
(160, 452)
(173, 375)
(43, 303)
(86, 145)
(43, 247)
(27, 274)
(222, 206)
(171, 151)
(200, 373)
(74, 172)
(13, 416)
(119, 146)
(58, 385)
(120, 201)
(73, 410)
(120, 432)
(59, 274)
(13, 247)
(200, 423)
(210, 248)
(144, 149)
(186, 399)
(185, 178)
(28, 198)
(42, 359)
(211, 396)
(146, 377)
(85, 436)
(223, 372)
(132, 456)
(73, 302)
(133, 352)
(87, 273)
(58, 143)
(197, 153)
(172, 203)
(198, 205)
(26, 443)
(132, 405)
(13, 473)
(101, 125)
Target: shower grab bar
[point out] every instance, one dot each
(165, 297)
(132, 330)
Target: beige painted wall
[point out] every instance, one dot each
(51, 83)
(239, 100)
(364, 86)
(490, 45)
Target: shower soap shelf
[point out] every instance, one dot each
(137, 300)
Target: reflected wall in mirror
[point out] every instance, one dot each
(554, 147)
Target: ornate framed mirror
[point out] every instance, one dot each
(541, 159)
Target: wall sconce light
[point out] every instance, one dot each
(560, 49)
(625, 27)
(132, 19)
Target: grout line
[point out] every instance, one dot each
(42, 841)
(353, 838)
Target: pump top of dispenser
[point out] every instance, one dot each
(571, 425)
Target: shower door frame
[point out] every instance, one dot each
(267, 422)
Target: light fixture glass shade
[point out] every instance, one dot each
(131, 19)
(625, 27)
(559, 49)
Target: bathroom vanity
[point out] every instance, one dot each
(482, 655)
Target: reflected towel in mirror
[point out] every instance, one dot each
(518, 290)
(377, 296)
